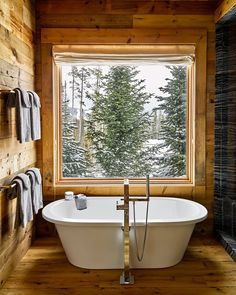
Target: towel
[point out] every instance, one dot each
(35, 115)
(22, 191)
(36, 188)
(20, 100)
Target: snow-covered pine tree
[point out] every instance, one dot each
(119, 126)
(73, 156)
(172, 163)
(96, 81)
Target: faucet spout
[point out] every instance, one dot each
(147, 197)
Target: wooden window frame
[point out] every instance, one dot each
(53, 183)
(90, 180)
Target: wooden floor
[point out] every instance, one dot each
(205, 270)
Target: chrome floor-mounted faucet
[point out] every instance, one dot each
(126, 277)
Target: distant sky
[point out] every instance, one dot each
(154, 76)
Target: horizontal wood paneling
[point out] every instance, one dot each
(120, 36)
(86, 21)
(16, 18)
(13, 162)
(13, 51)
(110, 21)
(173, 21)
(127, 6)
(17, 27)
(13, 249)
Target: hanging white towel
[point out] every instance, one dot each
(35, 115)
(22, 190)
(20, 100)
(36, 188)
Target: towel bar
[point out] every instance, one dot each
(7, 90)
(7, 186)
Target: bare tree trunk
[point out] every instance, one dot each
(81, 113)
(73, 93)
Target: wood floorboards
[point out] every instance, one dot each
(205, 270)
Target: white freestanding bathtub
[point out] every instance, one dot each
(93, 238)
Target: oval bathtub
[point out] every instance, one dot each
(93, 238)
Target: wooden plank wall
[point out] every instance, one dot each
(223, 8)
(112, 14)
(17, 53)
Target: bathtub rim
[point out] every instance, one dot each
(108, 222)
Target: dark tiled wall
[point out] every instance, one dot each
(225, 127)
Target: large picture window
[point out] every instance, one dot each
(126, 119)
(93, 169)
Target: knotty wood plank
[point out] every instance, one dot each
(14, 237)
(126, 49)
(16, 70)
(206, 269)
(124, 7)
(157, 190)
(131, 290)
(14, 42)
(173, 21)
(29, 15)
(11, 256)
(10, 52)
(224, 7)
(47, 118)
(13, 163)
(120, 36)
(18, 20)
(8, 147)
(86, 21)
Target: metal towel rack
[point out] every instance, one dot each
(7, 186)
(7, 90)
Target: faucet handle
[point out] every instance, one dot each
(120, 206)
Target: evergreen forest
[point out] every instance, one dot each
(112, 126)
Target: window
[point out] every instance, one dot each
(126, 118)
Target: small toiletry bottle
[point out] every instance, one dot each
(69, 196)
(80, 202)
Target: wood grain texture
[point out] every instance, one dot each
(173, 21)
(136, 36)
(206, 269)
(86, 21)
(224, 7)
(101, 22)
(20, 241)
(18, 20)
(127, 6)
(17, 26)
(120, 36)
(47, 118)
